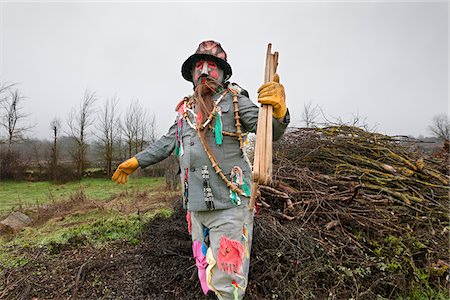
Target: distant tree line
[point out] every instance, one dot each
(95, 135)
(92, 139)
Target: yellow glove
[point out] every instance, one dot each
(125, 169)
(272, 93)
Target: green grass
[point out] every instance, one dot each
(15, 194)
(8, 259)
(97, 228)
(96, 225)
(425, 293)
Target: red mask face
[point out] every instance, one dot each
(204, 68)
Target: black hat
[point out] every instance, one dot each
(209, 50)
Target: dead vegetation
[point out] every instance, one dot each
(351, 214)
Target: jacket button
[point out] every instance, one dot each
(192, 143)
(192, 169)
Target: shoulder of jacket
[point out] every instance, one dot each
(233, 86)
(180, 104)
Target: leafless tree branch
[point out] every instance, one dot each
(310, 114)
(440, 127)
(79, 120)
(139, 128)
(12, 117)
(108, 130)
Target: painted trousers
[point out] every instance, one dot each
(221, 244)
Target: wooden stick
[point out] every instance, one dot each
(261, 146)
(269, 133)
(262, 165)
(257, 151)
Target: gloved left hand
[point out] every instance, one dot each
(272, 93)
(125, 169)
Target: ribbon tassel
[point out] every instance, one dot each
(218, 127)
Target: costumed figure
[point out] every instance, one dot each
(208, 136)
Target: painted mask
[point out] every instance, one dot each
(205, 68)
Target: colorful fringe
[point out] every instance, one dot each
(188, 219)
(209, 270)
(236, 289)
(200, 261)
(205, 240)
(179, 151)
(245, 240)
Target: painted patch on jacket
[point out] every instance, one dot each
(237, 178)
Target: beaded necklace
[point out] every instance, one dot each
(187, 107)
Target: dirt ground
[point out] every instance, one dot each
(160, 267)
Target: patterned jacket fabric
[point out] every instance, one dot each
(194, 162)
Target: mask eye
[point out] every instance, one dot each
(212, 64)
(199, 64)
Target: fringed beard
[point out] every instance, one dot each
(203, 93)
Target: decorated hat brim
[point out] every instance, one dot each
(186, 69)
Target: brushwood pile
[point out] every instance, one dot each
(350, 215)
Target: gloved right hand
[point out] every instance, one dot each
(125, 169)
(272, 93)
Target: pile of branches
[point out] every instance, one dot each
(351, 214)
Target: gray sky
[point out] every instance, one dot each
(386, 62)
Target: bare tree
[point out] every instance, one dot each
(310, 114)
(4, 88)
(109, 131)
(12, 117)
(55, 126)
(440, 127)
(147, 131)
(171, 167)
(129, 126)
(361, 122)
(79, 120)
(139, 128)
(122, 148)
(4, 94)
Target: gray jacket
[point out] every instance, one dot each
(194, 158)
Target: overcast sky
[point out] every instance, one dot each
(386, 62)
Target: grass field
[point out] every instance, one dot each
(77, 213)
(22, 194)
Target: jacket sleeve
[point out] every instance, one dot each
(248, 112)
(159, 150)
